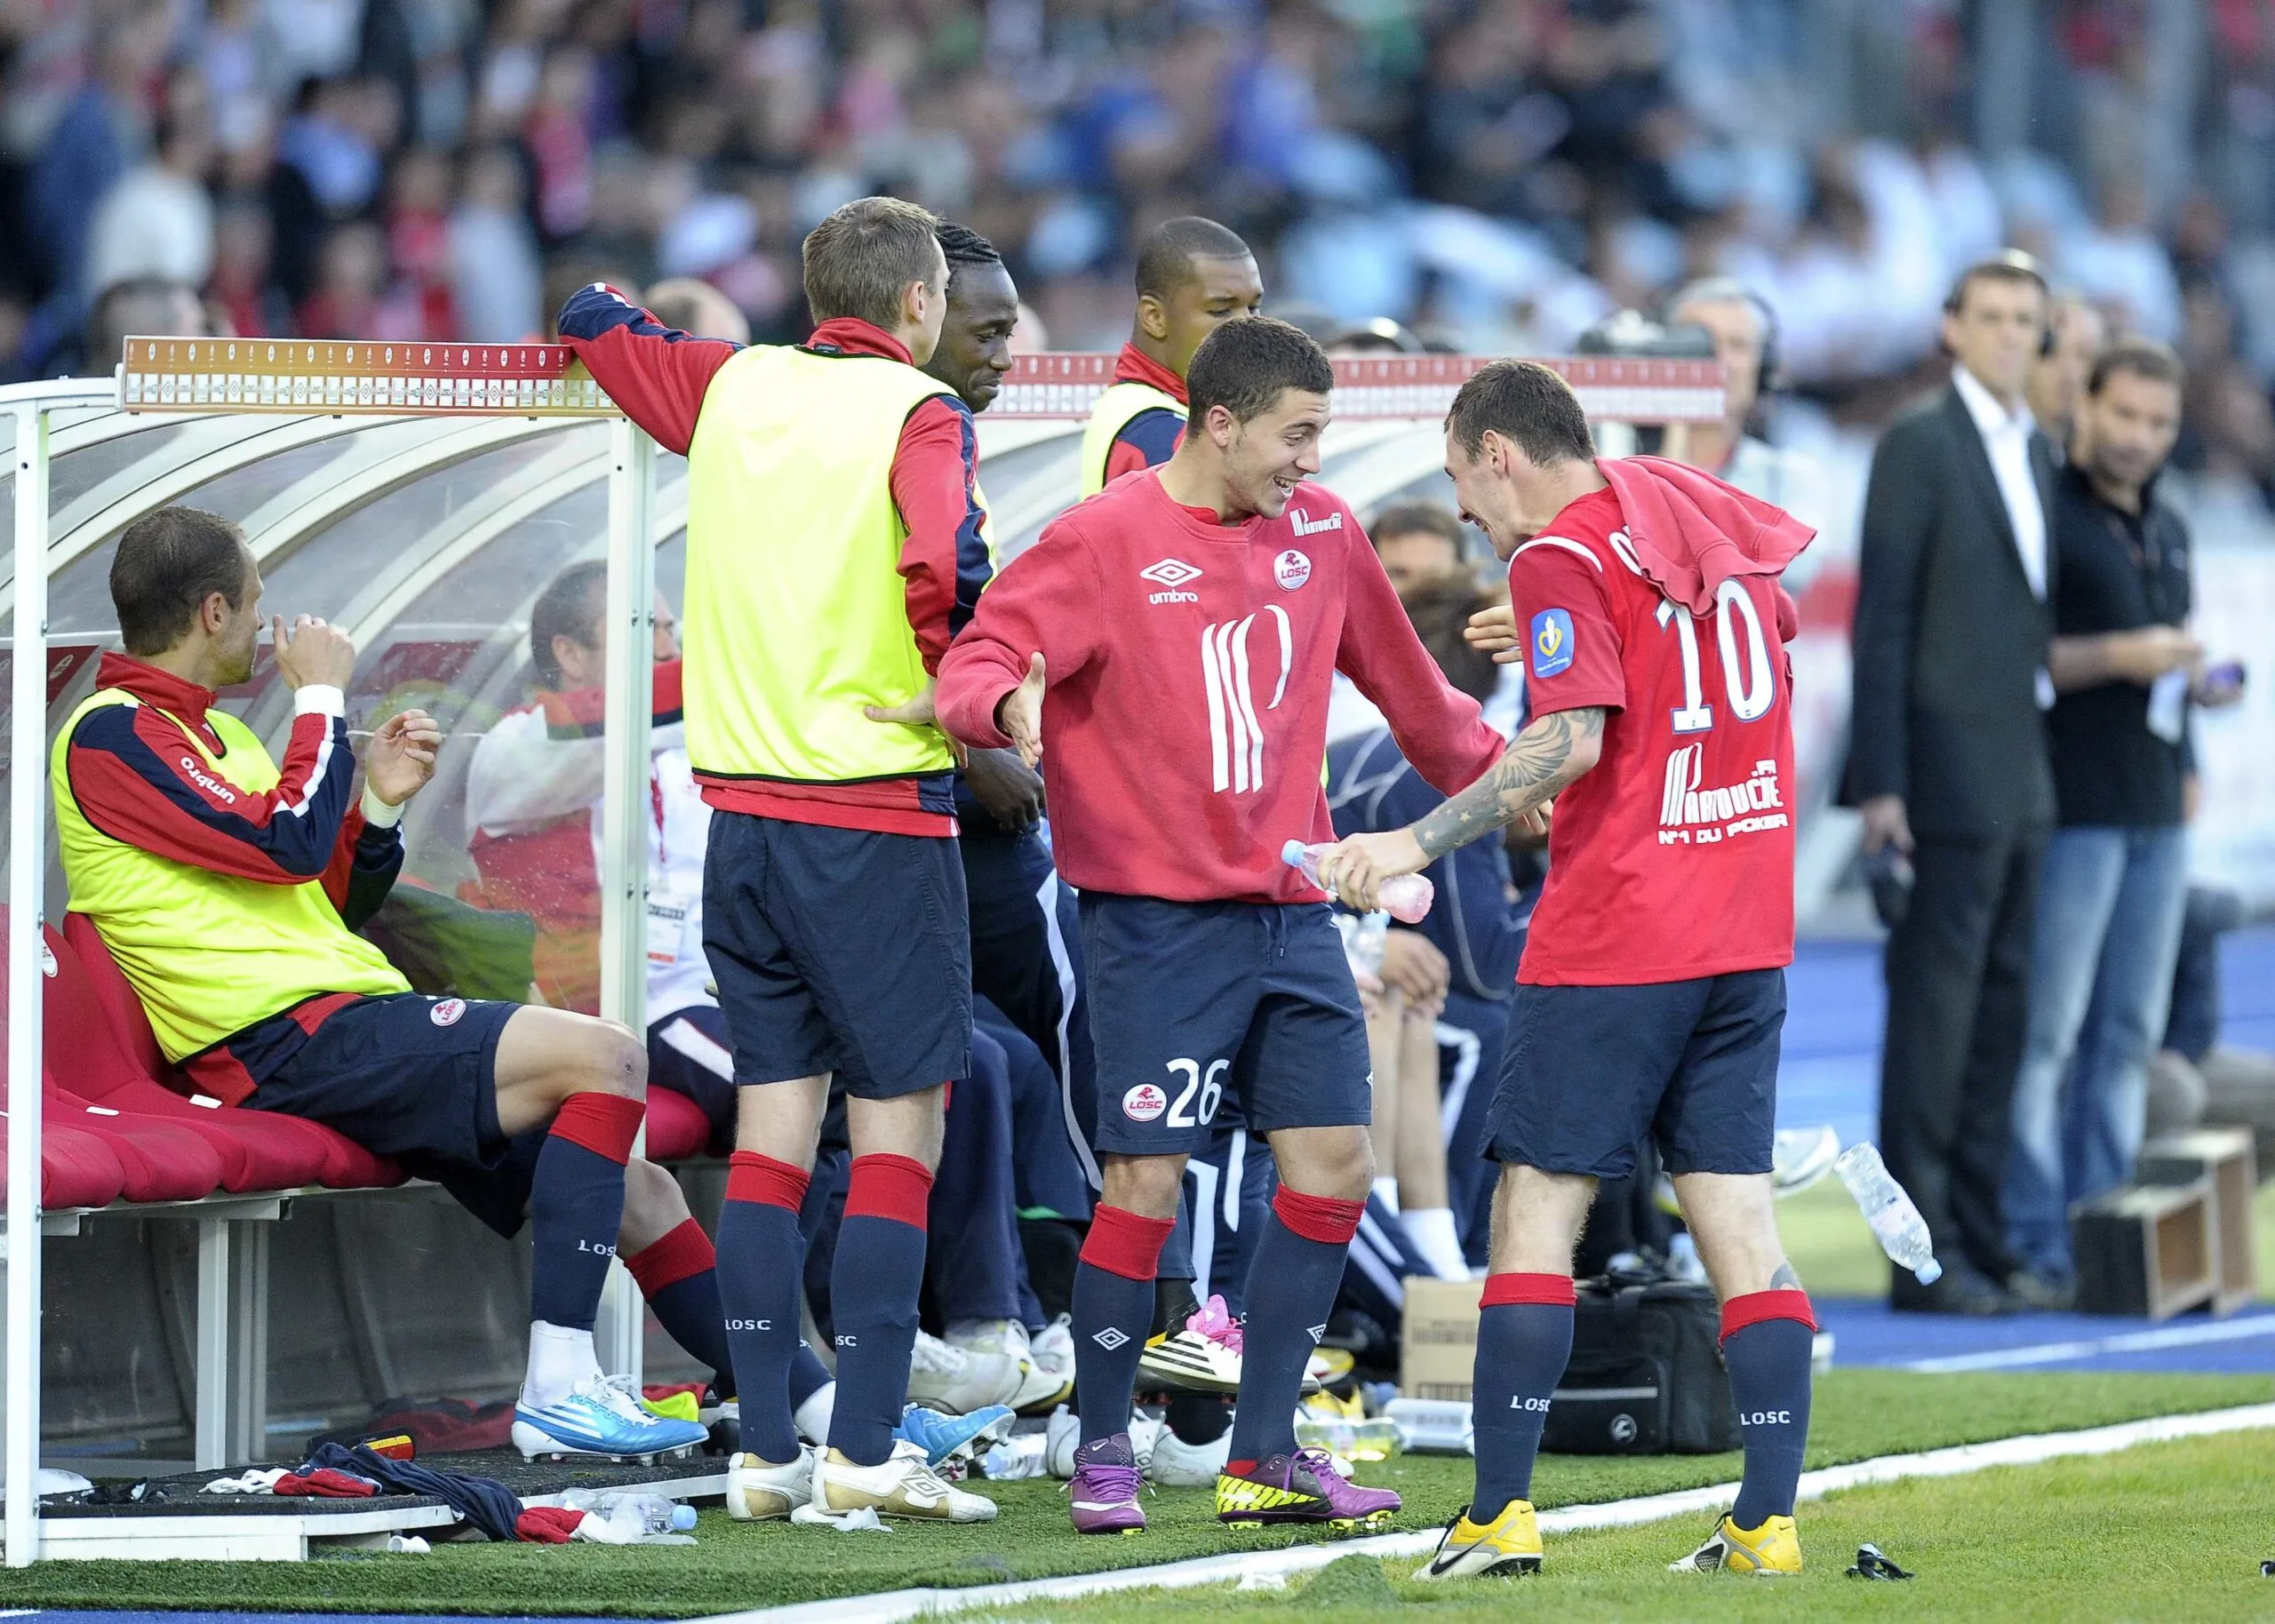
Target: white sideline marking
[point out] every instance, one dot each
(893, 1605)
(2130, 1341)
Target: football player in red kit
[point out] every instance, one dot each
(1651, 996)
(1188, 622)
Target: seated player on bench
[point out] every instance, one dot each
(228, 888)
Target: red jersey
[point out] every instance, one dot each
(1672, 858)
(1189, 665)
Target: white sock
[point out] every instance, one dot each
(1386, 1192)
(559, 1360)
(1431, 1229)
(811, 1418)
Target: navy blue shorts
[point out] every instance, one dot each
(1587, 1071)
(416, 1078)
(839, 951)
(1192, 1004)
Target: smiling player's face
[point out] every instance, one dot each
(975, 348)
(1267, 456)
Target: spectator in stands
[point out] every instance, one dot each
(103, 131)
(1947, 761)
(697, 307)
(2115, 881)
(158, 219)
(146, 304)
(228, 889)
(2057, 378)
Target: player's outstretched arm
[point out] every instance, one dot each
(1549, 754)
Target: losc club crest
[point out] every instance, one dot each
(1145, 1102)
(448, 1012)
(1291, 570)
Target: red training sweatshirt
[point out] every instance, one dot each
(1189, 663)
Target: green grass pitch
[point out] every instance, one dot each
(1859, 1413)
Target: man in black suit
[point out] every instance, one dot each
(1948, 763)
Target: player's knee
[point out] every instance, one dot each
(1340, 1167)
(652, 1195)
(1147, 1185)
(615, 1060)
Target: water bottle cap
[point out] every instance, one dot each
(1292, 853)
(1929, 1273)
(683, 1518)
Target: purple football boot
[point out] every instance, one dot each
(1103, 1497)
(1303, 1487)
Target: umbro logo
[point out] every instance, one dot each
(1172, 574)
(1111, 1338)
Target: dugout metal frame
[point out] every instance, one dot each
(520, 388)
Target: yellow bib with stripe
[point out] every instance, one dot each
(210, 954)
(797, 612)
(1112, 413)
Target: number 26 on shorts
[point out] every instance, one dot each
(1198, 1093)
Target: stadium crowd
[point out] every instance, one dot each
(1498, 174)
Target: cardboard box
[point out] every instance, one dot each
(2223, 1158)
(1439, 1356)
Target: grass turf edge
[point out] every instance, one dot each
(1860, 1414)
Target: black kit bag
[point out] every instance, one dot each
(1645, 1376)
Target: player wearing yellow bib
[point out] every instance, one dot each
(228, 888)
(834, 548)
(1192, 276)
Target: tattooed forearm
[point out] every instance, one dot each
(1538, 762)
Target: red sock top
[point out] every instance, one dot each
(1547, 1290)
(605, 1124)
(1126, 1243)
(678, 1255)
(1320, 1218)
(895, 1187)
(760, 1179)
(1754, 1307)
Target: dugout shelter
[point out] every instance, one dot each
(421, 497)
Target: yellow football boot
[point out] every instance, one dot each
(1509, 1544)
(1770, 1551)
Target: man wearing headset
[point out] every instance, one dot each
(1948, 763)
(1745, 331)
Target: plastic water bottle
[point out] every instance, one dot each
(631, 1513)
(1408, 898)
(1896, 1223)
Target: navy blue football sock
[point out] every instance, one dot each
(1524, 1341)
(1113, 1311)
(576, 1204)
(1291, 1287)
(761, 1262)
(808, 1375)
(1767, 1341)
(679, 1275)
(873, 1287)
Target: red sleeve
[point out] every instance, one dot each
(1437, 727)
(137, 780)
(1572, 647)
(945, 559)
(656, 374)
(1046, 601)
